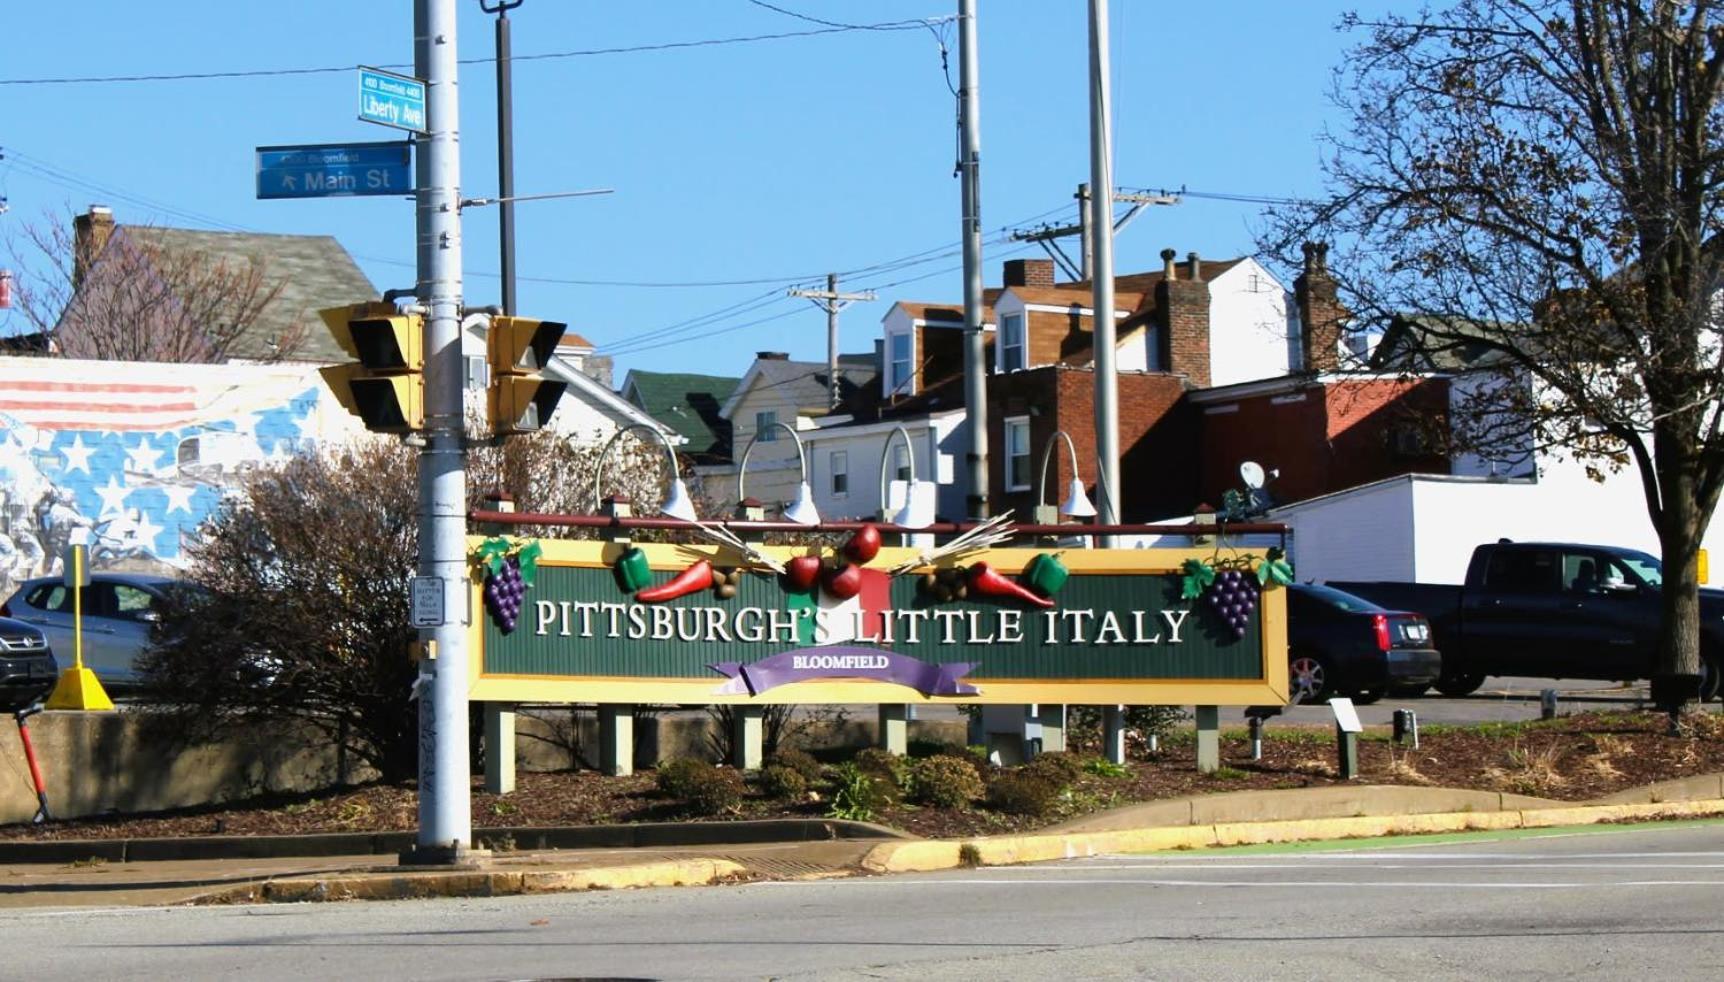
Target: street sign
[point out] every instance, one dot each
(389, 99)
(328, 170)
(427, 604)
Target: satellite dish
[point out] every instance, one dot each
(1252, 473)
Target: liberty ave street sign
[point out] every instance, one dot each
(391, 100)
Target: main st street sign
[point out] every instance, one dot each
(610, 623)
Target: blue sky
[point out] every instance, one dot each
(771, 162)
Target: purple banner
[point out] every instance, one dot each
(844, 661)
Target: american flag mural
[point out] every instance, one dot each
(138, 454)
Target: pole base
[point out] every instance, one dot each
(456, 855)
(79, 689)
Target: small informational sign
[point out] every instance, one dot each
(427, 601)
(389, 99)
(76, 566)
(1346, 717)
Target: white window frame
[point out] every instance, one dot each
(1016, 424)
(1023, 342)
(838, 470)
(904, 384)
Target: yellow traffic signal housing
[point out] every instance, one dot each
(385, 387)
(517, 348)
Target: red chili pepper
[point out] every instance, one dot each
(983, 579)
(692, 580)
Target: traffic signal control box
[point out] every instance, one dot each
(521, 399)
(385, 388)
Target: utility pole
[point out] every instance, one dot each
(969, 168)
(445, 821)
(1047, 236)
(1101, 232)
(505, 147)
(831, 301)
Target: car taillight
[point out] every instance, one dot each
(1381, 623)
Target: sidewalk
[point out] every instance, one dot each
(1183, 823)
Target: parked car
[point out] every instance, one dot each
(120, 612)
(1342, 645)
(1552, 610)
(27, 666)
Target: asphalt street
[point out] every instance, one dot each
(1638, 901)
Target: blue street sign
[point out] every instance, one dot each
(391, 99)
(328, 170)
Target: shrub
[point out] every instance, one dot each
(882, 763)
(1060, 767)
(858, 794)
(936, 748)
(1102, 767)
(945, 781)
(783, 782)
(714, 791)
(676, 777)
(800, 761)
(1023, 792)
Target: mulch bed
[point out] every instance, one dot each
(1574, 758)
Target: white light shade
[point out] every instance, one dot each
(802, 510)
(677, 504)
(1077, 503)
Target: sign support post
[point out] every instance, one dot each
(78, 687)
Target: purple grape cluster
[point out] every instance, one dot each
(1234, 597)
(503, 593)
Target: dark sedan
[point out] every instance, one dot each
(1342, 645)
(27, 666)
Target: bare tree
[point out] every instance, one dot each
(140, 294)
(1532, 188)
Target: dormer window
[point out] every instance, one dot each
(1012, 353)
(901, 374)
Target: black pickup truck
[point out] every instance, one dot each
(1550, 610)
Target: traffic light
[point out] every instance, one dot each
(521, 399)
(385, 388)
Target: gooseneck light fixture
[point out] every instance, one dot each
(677, 503)
(802, 510)
(1077, 503)
(906, 515)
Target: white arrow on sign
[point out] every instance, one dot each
(290, 182)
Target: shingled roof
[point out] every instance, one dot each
(688, 404)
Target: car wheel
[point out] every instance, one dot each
(1460, 685)
(1710, 679)
(1309, 679)
(1365, 697)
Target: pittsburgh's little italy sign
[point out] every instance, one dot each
(609, 622)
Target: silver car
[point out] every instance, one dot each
(120, 611)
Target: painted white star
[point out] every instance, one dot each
(77, 454)
(143, 459)
(143, 533)
(113, 497)
(179, 497)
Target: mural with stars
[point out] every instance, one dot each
(139, 455)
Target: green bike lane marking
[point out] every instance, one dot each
(1439, 838)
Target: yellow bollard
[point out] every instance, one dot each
(78, 687)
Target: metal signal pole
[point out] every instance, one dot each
(975, 351)
(1101, 235)
(445, 821)
(505, 147)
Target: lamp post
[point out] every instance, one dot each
(906, 515)
(1076, 503)
(802, 510)
(677, 503)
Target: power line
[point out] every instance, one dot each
(583, 53)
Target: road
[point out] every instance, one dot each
(1603, 904)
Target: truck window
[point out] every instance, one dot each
(1522, 571)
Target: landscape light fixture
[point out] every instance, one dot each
(802, 510)
(906, 516)
(1076, 503)
(677, 503)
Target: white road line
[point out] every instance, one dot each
(1418, 866)
(1251, 884)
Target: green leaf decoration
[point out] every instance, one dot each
(1274, 571)
(1276, 552)
(1198, 576)
(491, 552)
(529, 560)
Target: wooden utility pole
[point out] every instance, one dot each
(831, 301)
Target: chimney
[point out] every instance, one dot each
(1182, 313)
(1028, 272)
(772, 355)
(90, 234)
(1194, 268)
(1320, 312)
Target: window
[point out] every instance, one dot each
(1012, 342)
(1522, 571)
(1018, 454)
(900, 377)
(766, 426)
(840, 468)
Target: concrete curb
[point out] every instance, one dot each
(929, 856)
(476, 883)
